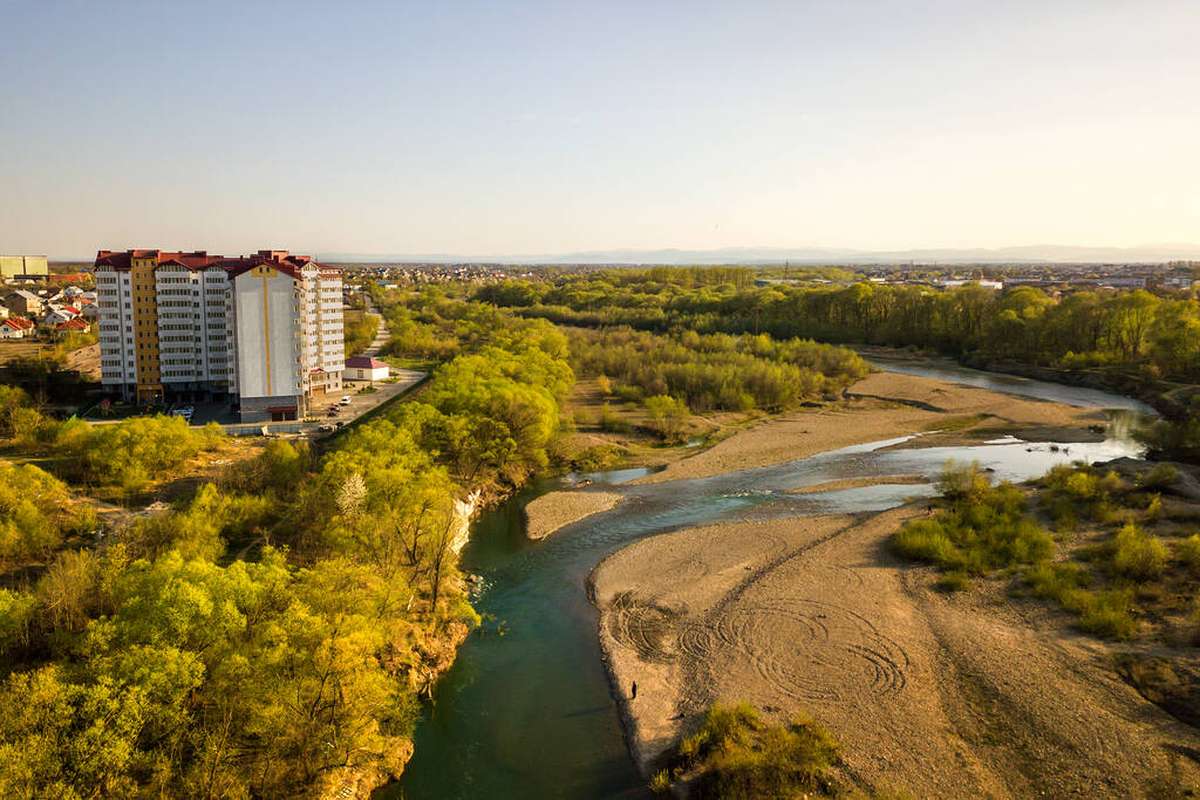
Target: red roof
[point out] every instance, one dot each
(70, 277)
(72, 310)
(364, 362)
(285, 262)
(18, 323)
(72, 325)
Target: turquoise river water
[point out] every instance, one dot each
(527, 711)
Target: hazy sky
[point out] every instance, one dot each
(541, 127)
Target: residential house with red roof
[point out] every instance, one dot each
(17, 328)
(77, 325)
(365, 368)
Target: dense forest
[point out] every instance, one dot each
(1133, 342)
(716, 371)
(1137, 329)
(269, 635)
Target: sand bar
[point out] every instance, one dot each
(881, 406)
(554, 510)
(933, 695)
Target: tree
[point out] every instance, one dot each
(667, 416)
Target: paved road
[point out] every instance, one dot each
(381, 335)
(360, 403)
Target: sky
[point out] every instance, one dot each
(504, 128)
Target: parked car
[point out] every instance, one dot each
(184, 411)
(345, 400)
(326, 428)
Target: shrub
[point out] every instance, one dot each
(735, 753)
(667, 416)
(985, 529)
(953, 582)
(200, 528)
(962, 481)
(611, 422)
(35, 512)
(1070, 493)
(1162, 476)
(1138, 555)
(1154, 508)
(1055, 581)
(661, 782)
(17, 617)
(1107, 613)
(927, 540)
(1188, 551)
(597, 458)
(131, 452)
(1104, 613)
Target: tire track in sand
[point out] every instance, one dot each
(834, 652)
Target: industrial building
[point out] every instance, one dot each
(17, 266)
(263, 331)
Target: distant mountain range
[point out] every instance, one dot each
(810, 255)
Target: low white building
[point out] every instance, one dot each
(365, 368)
(17, 328)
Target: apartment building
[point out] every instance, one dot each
(263, 331)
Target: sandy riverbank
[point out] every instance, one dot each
(555, 510)
(881, 406)
(935, 695)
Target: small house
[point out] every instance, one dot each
(17, 328)
(24, 302)
(365, 368)
(77, 325)
(57, 315)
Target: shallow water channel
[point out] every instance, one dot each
(527, 712)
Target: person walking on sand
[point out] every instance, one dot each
(633, 694)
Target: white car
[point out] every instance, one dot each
(186, 412)
(345, 400)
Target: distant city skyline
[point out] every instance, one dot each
(512, 130)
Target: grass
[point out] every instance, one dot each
(737, 754)
(955, 424)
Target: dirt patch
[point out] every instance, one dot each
(554, 510)
(86, 361)
(935, 695)
(881, 406)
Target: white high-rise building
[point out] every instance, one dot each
(264, 330)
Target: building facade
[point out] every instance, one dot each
(14, 266)
(264, 331)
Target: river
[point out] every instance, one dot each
(527, 712)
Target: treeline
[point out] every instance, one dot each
(270, 635)
(1134, 329)
(431, 325)
(716, 371)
